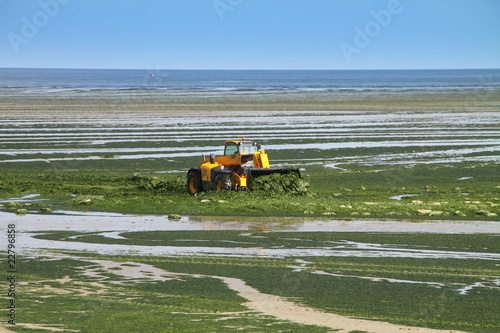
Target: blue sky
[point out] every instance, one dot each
(250, 34)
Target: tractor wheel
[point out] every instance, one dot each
(223, 181)
(194, 182)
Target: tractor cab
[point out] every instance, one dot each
(232, 148)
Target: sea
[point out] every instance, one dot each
(245, 81)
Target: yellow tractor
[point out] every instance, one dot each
(242, 161)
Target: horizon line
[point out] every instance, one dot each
(248, 69)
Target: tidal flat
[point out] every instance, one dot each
(370, 282)
(423, 167)
(134, 159)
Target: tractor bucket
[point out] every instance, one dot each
(257, 172)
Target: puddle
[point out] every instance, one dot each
(379, 279)
(26, 199)
(112, 235)
(91, 214)
(492, 284)
(399, 197)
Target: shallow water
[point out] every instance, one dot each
(29, 245)
(27, 198)
(400, 197)
(103, 221)
(111, 225)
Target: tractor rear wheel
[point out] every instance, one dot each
(194, 184)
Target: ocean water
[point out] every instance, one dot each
(248, 81)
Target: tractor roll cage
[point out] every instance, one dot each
(240, 147)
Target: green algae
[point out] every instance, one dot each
(283, 184)
(440, 293)
(419, 193)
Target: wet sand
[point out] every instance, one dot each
(19, 103)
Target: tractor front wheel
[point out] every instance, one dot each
(194, 182)
(223, 182)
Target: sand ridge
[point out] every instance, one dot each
(267, 304)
